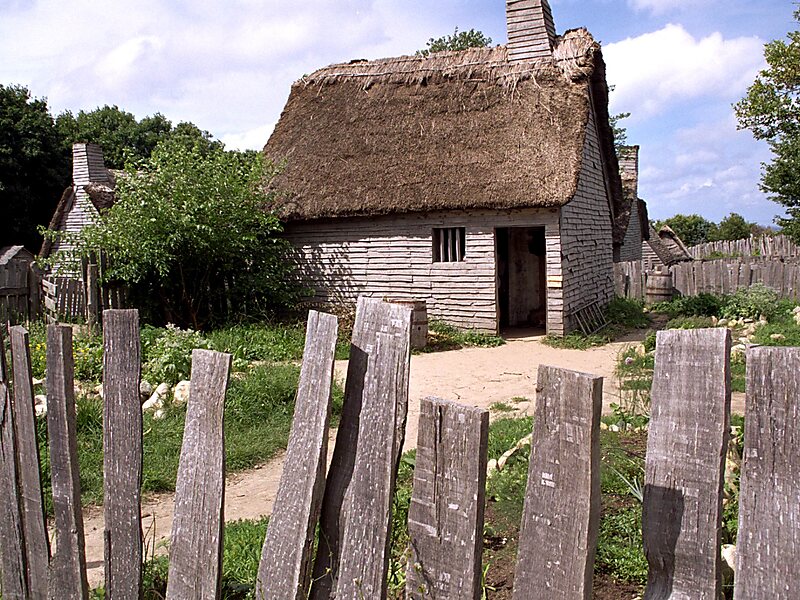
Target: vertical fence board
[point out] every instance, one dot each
(445, 518)
(768, 546)
(37, 544)
(92, 296)
(686, 447)
(122, 454)
(68, 565)
(562, 499)
(365, 518)
(372, 317)
(195, 559)
(13, 569)
(285, 565)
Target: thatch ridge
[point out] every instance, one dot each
(64, 205)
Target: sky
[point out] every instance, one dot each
(677, 67)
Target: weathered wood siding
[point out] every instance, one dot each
(392, 256)
(631, 248)
(87, 167)
(586, 238)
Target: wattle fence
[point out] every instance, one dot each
(352, 503)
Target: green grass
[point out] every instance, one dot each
(442, 336)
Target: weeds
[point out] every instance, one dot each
(442, 336)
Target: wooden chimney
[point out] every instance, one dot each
(531, 30)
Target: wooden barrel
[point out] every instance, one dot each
(419, 321)
(659, 287)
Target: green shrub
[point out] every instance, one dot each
(627, 312)
(443, 336)
(260, 341)
(752, 302)
(702, 305)
(689, 323)
(87, 352)
(168, 357)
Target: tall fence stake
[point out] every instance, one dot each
(13, 569)
(768, 546)
(384, 413)
(686, 447)
(122, 454)
(195, 559)
(68, 565)
(285, 565)
(37, 544)
(558, 535)
(445, 518)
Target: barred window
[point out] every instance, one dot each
(449, 244)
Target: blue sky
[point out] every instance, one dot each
(677, 65)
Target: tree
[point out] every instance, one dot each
(692, 229)
(460, 40)
(771, 111)
(732, 227)
(34, 168)
(192, 236)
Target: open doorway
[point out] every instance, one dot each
(521, 268)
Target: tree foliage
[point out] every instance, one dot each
(122, 137)
(192, 235)
(34, 168)
(460, 40)
(732, 227)
(692, 229)
(771, 111)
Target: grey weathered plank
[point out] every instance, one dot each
(445, 518)
(68, 564)
(394, 322)
(195, 559)
(92, 296)
(13, 570)
(122, 454)
(365, 518)
(558, 534)
(768, 546)
(285, 566)
(686, 447)
(37, 544)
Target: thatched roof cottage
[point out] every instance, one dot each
(484, 181)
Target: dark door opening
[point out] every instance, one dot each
(521, 283)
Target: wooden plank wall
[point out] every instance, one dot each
(727, 275)
(586, 241)
(392, 257)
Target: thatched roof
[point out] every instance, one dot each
(8, 253)
(64, 204)
(669, 248)
(101, 196)
(454, 130)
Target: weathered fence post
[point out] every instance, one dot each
(358, 489)
(122, 454)
(445, 518)
(768, 543)
(686, 447)
(195, 558)
(558, 535)
(285, 565)
(37, 544)
(13, 570)
(68, 565)
(92, 296)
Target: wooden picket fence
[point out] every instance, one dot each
(19, 285)
(766, 245)
(352, 505)
(80, 300)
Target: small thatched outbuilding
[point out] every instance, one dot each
(664, 248)
(91, 192)
(484, 181)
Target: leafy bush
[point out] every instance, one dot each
(249, 342)
(87, 352)
(689, 323)
(167, 357)
(752, 302)
(702, 305)
(443, 336)
(627, 312)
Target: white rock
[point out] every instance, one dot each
(729, 555)
(614, 428)
(722, 322)
(159, 414)
(796, 310)
(99, 390)
(777, 337)
(162, 389)
(738, 349)
(145, 389)
(156, 401)
(181, 395)
(37, 381)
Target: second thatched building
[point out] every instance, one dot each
(484, 181)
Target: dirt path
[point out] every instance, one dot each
(473, 376)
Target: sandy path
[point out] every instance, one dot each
(472, 376)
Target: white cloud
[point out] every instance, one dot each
(668, 66)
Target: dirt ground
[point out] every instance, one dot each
(472, 376)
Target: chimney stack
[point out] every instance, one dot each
(629, 169)
(88, 166)
(531, 30)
